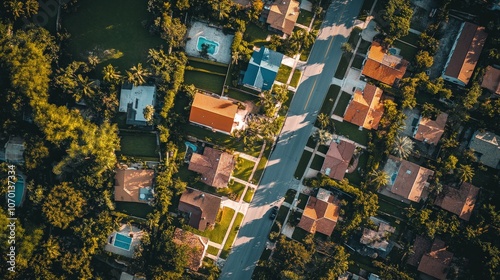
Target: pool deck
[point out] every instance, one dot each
(212, 34)
(125, 230)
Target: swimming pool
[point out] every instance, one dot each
(122, 241)
(19, 192)
(393, 51)
(213, 47)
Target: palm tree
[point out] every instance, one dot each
(31, 7)
(323, 120)
(378, 178)
(235, 57)
(402, 147)
(110, 74)
(84, 86)
(322, 136)
(16, 8)
(137, 74)
(466, 173)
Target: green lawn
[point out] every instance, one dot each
(343, 64)
(241, 96)
(358, 62)
(217, 234)
(302, 201)
(203, 80)
(299, 234)
(234, 191)
(119, 37)
(138, 144)
(295, 78)
(342, 104)
(323, 149)
(305, 17)
(283, 73)
(136, 209)
(411, 38)
(311, 143)
(330, 98)
(365, 9)
(302, 166)
(232, 235)
(255, 35)
(355, 177)
(363, 47)
(244, 169)
(212, 250)
(290, 195)
(281, 216)
(208, 65)
(249, 195)
(262, 163)
(391, 206)
(354, 36)
(407, 51)
(352, 132)
(317, 162)
(222, 140)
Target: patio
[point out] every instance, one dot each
(198, 29)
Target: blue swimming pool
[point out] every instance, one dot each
(213, 47)
(19, 192)
(122, 241)
(393, 51)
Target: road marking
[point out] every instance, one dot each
(310, 93)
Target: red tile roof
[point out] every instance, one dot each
(319, 216)
(365, 108)
(468, 48)
(437, 261)
(337, 159)
(213, 112)
(197, 245)
(129, 182)
(214, 166)
(491, 80)
(458, 201)
(411, 179)
(421, 246)
(430, 131)
(201, 206)
(384, 67)
(283, 15)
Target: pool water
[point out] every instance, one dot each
(213, 47)
(393, 51)
(122, 241)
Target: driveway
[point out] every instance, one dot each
(278, 176)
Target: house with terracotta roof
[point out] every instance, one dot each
(430, 130)
(198, 247)
(337, 159)
(491, 80)
(379, 239)
(132, 185)
(365, 108)
(320, 215)
(282, 16)
(133, 101)
(215, 166)
(464, 54)
(262, 69)
(212, 112)
(458, 201)
(486, 146)
(201, 208)
(436, 262)
(383, 66)
(407, 179)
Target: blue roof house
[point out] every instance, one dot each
(262, 69)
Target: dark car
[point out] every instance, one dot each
(272, 216)
(274, 211)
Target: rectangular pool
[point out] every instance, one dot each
(122, 241)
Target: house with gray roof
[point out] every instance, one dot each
(486, 147)
(262, 69)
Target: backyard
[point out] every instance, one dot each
(118, 38)
(139, 144)
(305, 17)
(352, 132)
(205, 75)
(255, 35)
(135, 209)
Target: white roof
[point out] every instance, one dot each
(139, 97)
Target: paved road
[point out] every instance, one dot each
(278, 177)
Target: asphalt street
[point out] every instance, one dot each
(278, 176)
